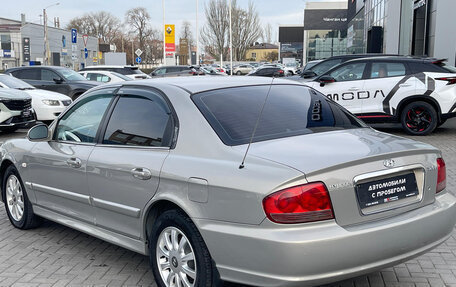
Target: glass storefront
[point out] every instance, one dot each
(355, 34)
(321, 44)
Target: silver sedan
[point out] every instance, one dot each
(248, 180)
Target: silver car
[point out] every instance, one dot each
(248, 180)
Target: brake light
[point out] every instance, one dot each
(441, 175)
(304, 203)
(450, 80)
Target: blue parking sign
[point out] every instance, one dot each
(74, 36)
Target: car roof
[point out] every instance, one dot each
(36, 67)
(197, 84)
(398, 59)
(111, 66)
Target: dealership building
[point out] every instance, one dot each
(406, 27)
(324, 33)
(22, 44)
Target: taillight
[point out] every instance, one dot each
(450, 80)
(441, 175)
(304, 203)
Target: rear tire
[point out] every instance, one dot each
(419, 118)
(187, 260)
(17, 205)
(238, 73)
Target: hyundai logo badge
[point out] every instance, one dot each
(388, 163)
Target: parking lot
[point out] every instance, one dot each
(54, 255)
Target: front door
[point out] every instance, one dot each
(124, 168)
(347, 90)
(58, 167)
(52, 81)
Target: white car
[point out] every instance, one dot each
(132, 72)
(47, 105)
(242, 69)
(104, 76)
(419, 93)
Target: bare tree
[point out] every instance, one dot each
(266, 37)
(246, 28)
(214, 33)
(102, 25)
(186, 33)
(138, 18)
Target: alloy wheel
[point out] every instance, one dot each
(175, 258)
(15, 198)
(418, 119)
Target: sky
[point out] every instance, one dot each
(275, 12)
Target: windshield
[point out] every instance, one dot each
(71, 75)
(290, 110)
(325, 66)
(125, 78)
(15, 83)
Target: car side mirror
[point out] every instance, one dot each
(39, 132)
(58, 81)
(308, 74)
(323, 80)
(153, 74)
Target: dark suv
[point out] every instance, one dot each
(56, 79)
(329, 63)
(174, 71)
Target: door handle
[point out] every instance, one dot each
(141, 173)
(74, 162)
(353, 89)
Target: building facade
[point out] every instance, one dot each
(262, 52)
(22, 44)
(322, 35)
(405, 27)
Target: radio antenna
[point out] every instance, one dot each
(256, 124)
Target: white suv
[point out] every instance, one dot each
(419, 93)
(15, 110)
(130, 71)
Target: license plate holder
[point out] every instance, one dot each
(386, 190)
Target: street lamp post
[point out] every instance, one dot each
(231, 45)
(46, 44)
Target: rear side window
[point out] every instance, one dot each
(384, 70)
(48, 75)
(419, 67)
(140, 121)
(290, 110)
(27, 74)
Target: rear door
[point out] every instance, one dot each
(124, 167)
(386, 85)
(29, 75)
(347, 90)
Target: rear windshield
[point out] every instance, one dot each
(289, 110)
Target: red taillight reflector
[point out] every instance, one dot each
(450, 80)
(304, 203)
(441, 175)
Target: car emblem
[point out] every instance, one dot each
(389, 163)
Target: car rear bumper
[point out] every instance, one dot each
(319, 253)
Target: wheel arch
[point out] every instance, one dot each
(154, 210)
(404, 102)
(5, 164)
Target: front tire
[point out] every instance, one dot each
(419, 118)
(178, 253)
(17, 205)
